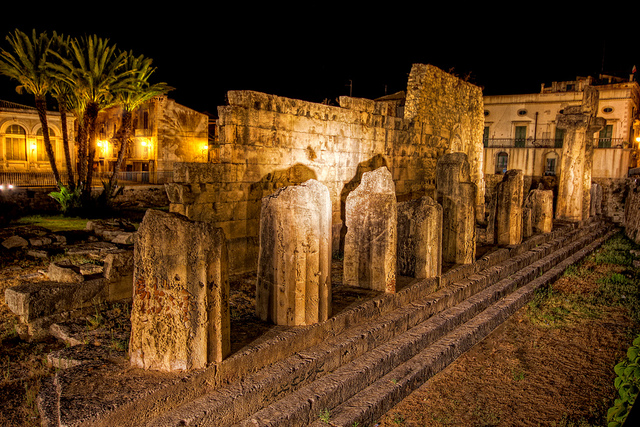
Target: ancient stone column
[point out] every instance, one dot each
(294, 263)
(596, 199)
(580, 123)
(180, 312)
(509, 208)
(540, 203)
(370, 242)
(419, 241)
(457, 196)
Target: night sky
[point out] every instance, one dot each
(322, 53)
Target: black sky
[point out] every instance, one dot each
(322, 53)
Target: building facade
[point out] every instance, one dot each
(521, 131)
(22, 144)
(164, 132)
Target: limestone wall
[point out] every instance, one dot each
(267, 142)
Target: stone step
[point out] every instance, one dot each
(365, 407)
(126, 397)
(332, 371)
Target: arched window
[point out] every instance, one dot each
(15, 143)
(501, 162)
(41, 152)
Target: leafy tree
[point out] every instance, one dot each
(139, 92)
(28, 64)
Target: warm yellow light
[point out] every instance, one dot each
(99, 143)
(637, 138)
(33, 145)
(144, 143)
(205, 147)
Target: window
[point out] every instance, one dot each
(501, 162)
(485, 136)
(559, 138)
(550, 165)
(41, 152)
(521, 136)
(15, 143)
(604, 139)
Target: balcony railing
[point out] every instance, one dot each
(45, 179)
(547, 143)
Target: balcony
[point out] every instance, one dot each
(548, 143)
(45, 179)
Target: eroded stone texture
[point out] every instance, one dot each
(540, 203)
(509, 208)
(419, 241)
(180, 312)
(294, 264)
(370, 242)
(596, 199)
(457, 195)
(580, 123)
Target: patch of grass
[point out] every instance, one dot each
(55, 222)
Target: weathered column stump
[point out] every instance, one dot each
(419, 252)
(180, 311)
(370, 242)
(509, 208)
(457, 196)
(540, 204)
(294, 263)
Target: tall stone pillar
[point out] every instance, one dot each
(419, 242)
(294, 262)
(370, 242)
(509, 208)
(180, 311)
(580, 123)
(457, 196)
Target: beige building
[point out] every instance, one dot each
(164, 132)
(21, 142)
(520, 130)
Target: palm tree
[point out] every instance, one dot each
(29, 65)
(139, 92)
(64, 96)
(95, 69)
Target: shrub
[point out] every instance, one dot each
(627, 383)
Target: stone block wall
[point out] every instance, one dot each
(267, 142)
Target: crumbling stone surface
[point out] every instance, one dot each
(371, 240)
(294, 265)
(457, 196)
(419, 252)
(574, 187)
(540, 204)
(596, 199)
(180, 312)
(509, 201)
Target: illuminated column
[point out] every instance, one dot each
(574, 186)
(419, 238)
(180, 310)
(371, 239)
(509, 208)
(457, 195)
(294, 262)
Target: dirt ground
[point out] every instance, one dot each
(550, 364)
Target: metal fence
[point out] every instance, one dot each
(45, 179)
(547, 143)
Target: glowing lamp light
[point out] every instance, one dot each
(205, 147)
(33, 145)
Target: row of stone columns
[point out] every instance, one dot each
(180, 313)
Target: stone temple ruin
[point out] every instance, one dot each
(394, 186)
